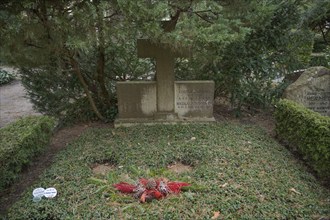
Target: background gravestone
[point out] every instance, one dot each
(312, 89)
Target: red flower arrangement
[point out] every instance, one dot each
(148, 189)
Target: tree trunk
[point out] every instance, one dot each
(85, 87)
(101, 56)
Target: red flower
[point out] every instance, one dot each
(147, 190)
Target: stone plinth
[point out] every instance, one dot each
(312, 89)
(137, 103)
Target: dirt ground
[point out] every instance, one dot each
(14, 105)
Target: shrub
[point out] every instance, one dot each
(319, 60)
(20, 142)
(307, 131)
(5, 77)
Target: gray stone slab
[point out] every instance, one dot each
(136, 99)
(312, 89)
(137, 103)
(194, 99)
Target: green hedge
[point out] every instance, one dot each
(307, 131)
(20, 142)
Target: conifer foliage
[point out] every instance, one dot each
(71, 53)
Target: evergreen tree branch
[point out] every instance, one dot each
(203, 18)
(77, 71)
(323, 34)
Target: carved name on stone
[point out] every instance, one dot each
(318, 101)
(194, 98)
(312, 89)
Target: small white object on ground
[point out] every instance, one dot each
(50, 192)
(38, 192)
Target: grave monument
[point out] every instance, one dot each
(312, 89)
(163, 100)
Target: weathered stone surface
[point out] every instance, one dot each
(136, 99)
(194, 99)
(164, 100)
(312, 89)
(165, 60)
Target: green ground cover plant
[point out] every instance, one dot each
(243, 174)
(5, 77)
(306, 131)
(20, 142)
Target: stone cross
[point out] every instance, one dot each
(165, 60)
(164, 100)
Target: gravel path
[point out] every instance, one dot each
(13, 103)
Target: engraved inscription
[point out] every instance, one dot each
(318, 101)
(194, 99)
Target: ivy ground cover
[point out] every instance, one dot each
(236, 172)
